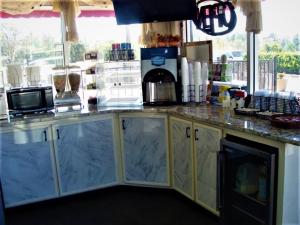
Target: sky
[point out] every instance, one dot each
(281, 17)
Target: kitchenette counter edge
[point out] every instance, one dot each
(210, 115)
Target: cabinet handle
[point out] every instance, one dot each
(196, 138)
(220, 179)
(115, 84)
(123, 124)
(120, 84)
(45, 133)
(187, 132)
(58, 135)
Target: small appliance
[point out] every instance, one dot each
(159, 76)
(28, 100)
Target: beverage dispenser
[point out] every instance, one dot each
(159, 76)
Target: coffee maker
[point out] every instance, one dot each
(159, 76)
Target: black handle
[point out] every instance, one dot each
(221, 179)
(120, 84)
(196, 138)
(123, 124)
(45, 133)
(58, 135)
(187, 132)
(115, 84)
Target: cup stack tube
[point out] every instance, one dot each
(185, 78)
(204, 78)
(197, 79)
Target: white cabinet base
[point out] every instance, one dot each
(27, 166)
(207, 147)
(85, 153)
(182, 156)
(144, 141)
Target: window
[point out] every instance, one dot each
(25, 42)
(99, 33)
(233, 45)
(279, 46)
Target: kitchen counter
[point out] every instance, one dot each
(211, 115)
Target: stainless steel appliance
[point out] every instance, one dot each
(159, 76)
(22, 101)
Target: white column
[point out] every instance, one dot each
(252, 63)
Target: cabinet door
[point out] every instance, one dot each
(26, 166)
(145, 150)
(85, 155)
(182, 156)
(207, 145)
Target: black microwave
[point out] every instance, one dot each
(28, 100)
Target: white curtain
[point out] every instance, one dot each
(253, 13)
(70, 10)
(151, 30)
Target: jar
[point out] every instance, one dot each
(15, 75)
(74, 79)
(293, 103)
(59, 81)
(257, 99)
(273, 102)
(265, 103)
(281, 102)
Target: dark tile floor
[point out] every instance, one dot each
(121, 205)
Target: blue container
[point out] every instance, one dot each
(125, 46)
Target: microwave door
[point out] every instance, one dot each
(26, 101)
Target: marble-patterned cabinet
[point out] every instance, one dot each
(85, 153)
(27, 165)
(207, 146)
(182, 156)
(144, 140)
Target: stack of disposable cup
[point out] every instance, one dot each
(197, 79)
(185, 78)
(15, 75)
(191, 73)
(191, 86)
(204, 78)
(33, 75)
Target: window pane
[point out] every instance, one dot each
(27, 43)
(279, 53)
(233, 45)
(99, 33)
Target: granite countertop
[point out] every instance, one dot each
(214, 115)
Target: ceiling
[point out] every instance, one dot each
(23, 7)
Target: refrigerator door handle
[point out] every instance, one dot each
(221, 179)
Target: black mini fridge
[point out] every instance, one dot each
(247, 182)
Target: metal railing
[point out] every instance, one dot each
(266, 73)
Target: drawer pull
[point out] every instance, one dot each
(196, 138)
(58, 134)
(45, 134)
(187, 132)
(123, 124)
